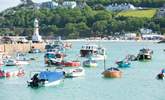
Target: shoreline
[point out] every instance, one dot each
(84, 40)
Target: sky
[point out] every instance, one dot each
(4, 4)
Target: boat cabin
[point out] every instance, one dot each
(88, 49)
(145, 54)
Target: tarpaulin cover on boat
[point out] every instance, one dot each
(51, 76)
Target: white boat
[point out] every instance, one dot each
(98, 57)
(76, 72)
(89, 63)
(10, 62)
(145, 54)
(46, 78)
(93, 51)
(21, 62)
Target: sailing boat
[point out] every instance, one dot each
(111, 72)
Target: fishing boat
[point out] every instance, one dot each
(93, 51)
(53, 58)
(46, 78)
(112, 73)
(76, 72)
(123, 64)
(145, 54)
(90, 63)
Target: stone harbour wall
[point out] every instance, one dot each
(11, 48)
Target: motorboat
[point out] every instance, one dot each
(112, 73)
(94, 52)
(90, 63)
(10, 62)
(123, 64)
(52, 58)
(145, 54)
(46, 78)
(76, 72)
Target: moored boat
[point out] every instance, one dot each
(46, 78)
(71, 63)
(90, 63)
(10, 62)
(123, 64)
(93, 51)
(76, 72)
(145, 54)
(11, 73)
(112, 73)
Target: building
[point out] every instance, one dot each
(152, 37)
(45, 4)
(120, 7)
(145, 31)
(49, 5)
(69, 4)
(161, 12)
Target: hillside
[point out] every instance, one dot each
(77, 22)
(146, 13)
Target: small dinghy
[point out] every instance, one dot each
(76, 72)
(90, 63)
(112, 73)
(123, 64)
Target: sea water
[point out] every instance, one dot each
(137, 83)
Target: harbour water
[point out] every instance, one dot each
(137, 83)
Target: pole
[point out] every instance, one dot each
(104, 63)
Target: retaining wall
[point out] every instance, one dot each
(11, 48)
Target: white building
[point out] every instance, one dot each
(145, 31)
(119, 7)
(69, 4)
(45, 4)
(49, 4)
(152, 37)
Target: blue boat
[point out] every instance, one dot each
(123, 64)
(46, 78)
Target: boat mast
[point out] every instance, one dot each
(104, 63)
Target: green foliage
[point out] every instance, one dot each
(148, 13)
(77, 23)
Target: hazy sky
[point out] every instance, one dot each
(8, 3)
(4, 4)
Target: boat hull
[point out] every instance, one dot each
(112, 74)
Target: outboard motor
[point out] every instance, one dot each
(160, 76)
(35, 81)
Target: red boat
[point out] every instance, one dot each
(12, 73)
(71, 63)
